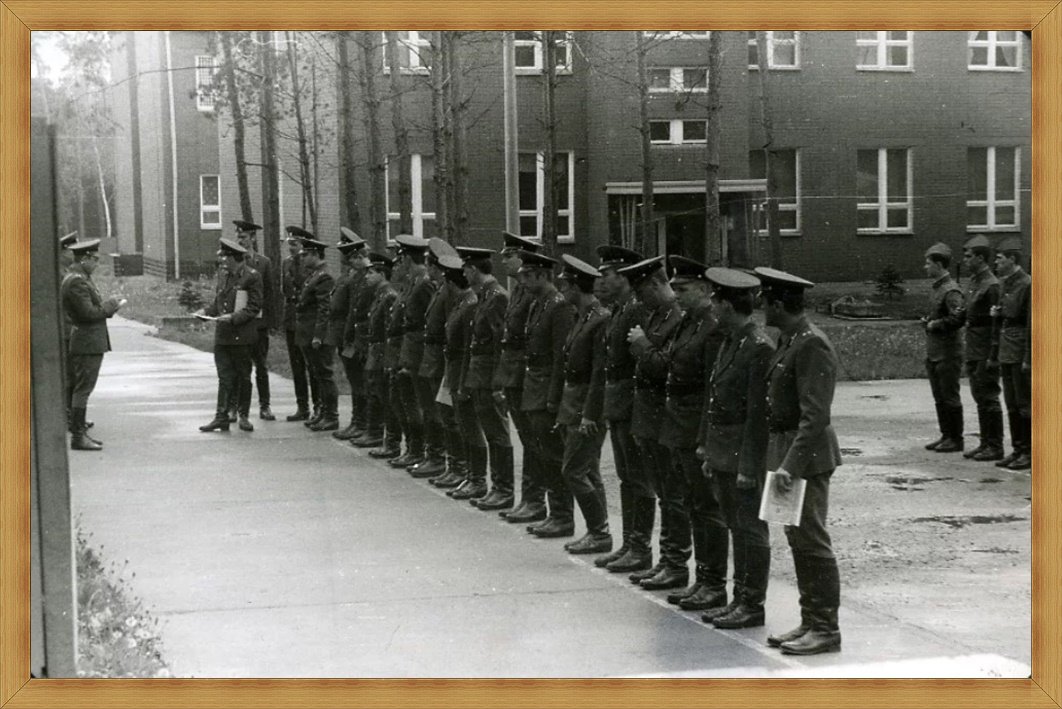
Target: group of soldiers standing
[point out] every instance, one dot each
(660, 354)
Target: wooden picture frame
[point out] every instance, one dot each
(19, 17)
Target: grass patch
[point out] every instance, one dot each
(869, 351)
(117, 636)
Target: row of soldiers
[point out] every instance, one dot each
(660, 354)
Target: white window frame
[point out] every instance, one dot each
(677, 34)
(773, 42)
(991, 203)
(413, 42)
(676, 132)
(991, 44)
(205, 68)
(882, 42)
(760, 209)
(418, 215)
(209, 208)
(883, 205)
(540, 196)
(565, 67)
(677, 80)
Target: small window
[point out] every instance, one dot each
(422, 185)
(884, 51)
(783, 50)
(885, 195)
(992, 179)
(679, 79)
(678, 131)
(528, 48)
(414, 52)
(204, 82)
(532, 189)
(995, 51)
(787, 189)
(675, 34)
(209, 202)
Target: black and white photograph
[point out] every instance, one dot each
(532, 354)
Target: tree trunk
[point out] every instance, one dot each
(712, 246)
(449, 184)
(441, 155)
(377, 166)
(549, 198)
(645, 241)
(774, 235)
(398, 124)
(270, 176)
(238, 139)
(103, 186)
(349, 212)
(459, 157)
(305, 177)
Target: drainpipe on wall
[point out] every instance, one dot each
(173, 162)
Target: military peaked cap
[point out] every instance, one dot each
(638, 272)
(451, 263)
(730, 278)
(775, 281)
(68, 240)
(348, 239)
(617, 256)
(241, 225)
(85, 247)
(297, 233)
(228, 247)
(530, 260)
(440, 247)
(512, 242)
(380, 260)
(408, 242)
(577, 269)
(471, 253)
(939, 249)
(1011, 243)
(685, 269)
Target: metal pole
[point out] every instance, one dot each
(512, 165)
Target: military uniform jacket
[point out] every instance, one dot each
(800, 382)
(650, 373)
(944, 320)
(458, 325)
(339, 305)
(690, 354)
(356, 329)
(88, 315)
(421, 291)
(433, 361)
(396, 328)
(312, 309)
(243, 328)
(548, 325)
(267, 316)
(584, 368)
(488, 325)
(512, 360)
(982, 292)
(384, 296)
(734, 425)
(619, 361)
(292, 278)
(1012, 332)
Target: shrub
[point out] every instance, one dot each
(888, 283)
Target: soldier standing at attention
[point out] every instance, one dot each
(391, 353)
(734, 443)
(548, 324)
(581, 413)
(245, 237)
(509, 378)
(89, 340)
(311, 333)
(637, 499)
(293, 276)
(66, 259)
(982, 294)
(1010, 348)
(648, 345)
(236, 305)
(347, 285)
(943, 323)
(413, 250)
(380, 427)
(801, 378)
(691, 354)
(484, 349)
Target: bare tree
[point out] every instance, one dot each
(377, 166)
(774, 234)
(458, 158)
(644, 239)
(350, 212)
(267, 128)
(228, 71)
(549, 87)
(401, 136)
(712, 247)
(309, 202)
(440, 129)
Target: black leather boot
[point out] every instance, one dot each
(639, 556)
(625, 508)
(314, 417)
(749, 611)
(953, 422)
(993, 449)
(554, 528)
(668, 577)
(501, 474)
(529, 511)
(674, 598)
(804, 580)
(597, 538)
(79, 439)
(301, 414)
(983, 435)
(942, 423)
(824, 635)
(475, 484)
(220, 422)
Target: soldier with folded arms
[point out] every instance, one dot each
(1010, 347)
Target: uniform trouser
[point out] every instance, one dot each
(492, 421)
(455, 444)
(531, 490)
(694, 512)
(657, 460)
(84, 371)
(259, 360)
(299, 371)
(233, 363)
(354, 369)
(944, 381)
(319, 362)
(630, 468)
(376, 409)
(395, 416)
(68, 378)
(431, 420)
(471, 436)
(549, 460)
(1017, 393)
(581, 464)
(984, 387)
(414, 418)
(818, 580)
(750, 536)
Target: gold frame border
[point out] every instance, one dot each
(19, 17)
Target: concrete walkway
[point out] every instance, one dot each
(283, 553)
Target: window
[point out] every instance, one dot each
(675, 34)
(209, 202)
(204, 82)
(886, 51)
(787, 188)
(414, 52)
(883, 186)
(783, 50)
(529, 51)
(678, 79)
(422, 170)
(992, 186)
(532, 185)
(678, 132)
(995, 51)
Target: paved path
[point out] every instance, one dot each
(283, 553)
